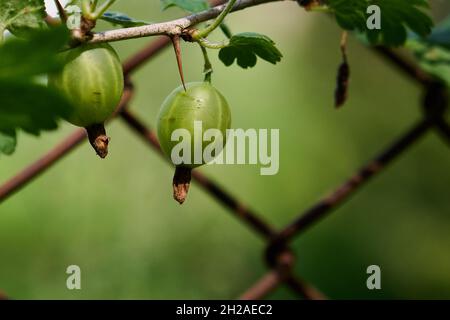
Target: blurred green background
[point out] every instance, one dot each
(116, 218)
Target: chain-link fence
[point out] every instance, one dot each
(279, 257)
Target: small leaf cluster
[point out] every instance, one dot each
(246, 47)
(21, 17)
(433, 52)
(397, 17)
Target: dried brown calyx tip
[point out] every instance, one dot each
(343, 78)
(342, 84)
(181, 183)
(98, 139)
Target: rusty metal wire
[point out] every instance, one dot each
(279, 257)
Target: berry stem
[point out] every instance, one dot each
(343, 44)
(213, 45)
(207, 68)
(94, 5)
(86, 8)
(98, 139)
(181, 183)
(102, 8)
(205, 32)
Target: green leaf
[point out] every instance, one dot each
(121, 19)
(439, 36)
(245, 47)
(24, 103)
(22, 16)
(188, 5)
(433, 59)
(36, 55)
(8, 142)
(226, 30)
(30, 107)
(397, 16)
(350, 14)
(433, 52)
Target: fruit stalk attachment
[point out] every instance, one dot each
(207, 68)
(216, 23)
(181, 183)
(98, 139)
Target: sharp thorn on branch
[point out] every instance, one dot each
(177, 48)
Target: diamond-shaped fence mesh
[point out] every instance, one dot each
(279, 257)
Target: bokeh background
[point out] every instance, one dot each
(116, 218)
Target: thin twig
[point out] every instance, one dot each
(210, 28)
(170, 28)
(343, 44)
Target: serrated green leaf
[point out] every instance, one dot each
(36, 55)
(30, 107)
(22, 16)
(121, 19)
(24, 103)
(435, 60)
(397, 16)
(188, 5)
(245, 47)
(8, 142)
(350, 14)
(439, 36)
(433, 51)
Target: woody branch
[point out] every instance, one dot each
(174, 27)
